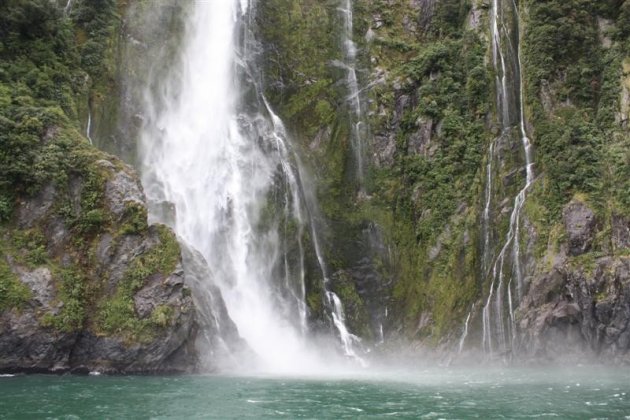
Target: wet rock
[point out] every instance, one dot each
(33, 337)
(220, 337)
(424, 322)
(384, 150)
(116, 354)
(113, 355)
(161, 291)
(58, 235)
(605, 26)
(475, 16)
(39, 281)
(578, 314)
(620, 232)
(34, 209)
(162, 212)
(425, 10)
(122, 188)
(26, 344)
(419, 143)
(579, 224)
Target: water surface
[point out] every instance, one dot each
(431, 393)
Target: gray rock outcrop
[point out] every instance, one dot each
(109, 297)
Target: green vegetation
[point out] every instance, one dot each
(432, 94)
(300, 39)
(435, 102)
(441, 70)
(51, 67)
(433, 189)
(13, 293)
(135, 219)
(357, 317)
(573, 91)
(71, 290)
(27, 247)
(116, 314)
(44, 73)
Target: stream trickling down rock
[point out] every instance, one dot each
(214, 148)
(499, 327)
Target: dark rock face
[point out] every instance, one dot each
(35, 336)
(24, 343)
(579, 223)
(580, 308)
(365, 287)
(123, 188)
(220, 335)
(170, 351)
(620, 231)
(571, 313)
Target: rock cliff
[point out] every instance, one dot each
(411, 239)
(89, 286)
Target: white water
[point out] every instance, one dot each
(221, 167)
(358, 134)
(89, 127)
(462, 339)
(495, 305)
(486, 211)
(498, 59)
(67, 7)
(350, 342)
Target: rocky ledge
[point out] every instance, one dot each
(87, 285)
(578, 304)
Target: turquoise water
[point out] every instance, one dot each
(434, 393)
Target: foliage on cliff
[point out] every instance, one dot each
(573, 65)
(61, 200)
(437, 131)
(427, 68)
(576, 86)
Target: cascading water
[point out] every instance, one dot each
(486, 216)
(499, 333)
(214, 148)
(67, 7)
(358, 132)
(88, 128)
(462, 339)
(349, 341)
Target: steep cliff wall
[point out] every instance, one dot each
(435, 137)
(412, 224)
(85, 282)
(404, 245)
(577, 213)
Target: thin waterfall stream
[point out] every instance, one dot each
(215, 149)
(88, 128)
(357, 119)
(499, 331)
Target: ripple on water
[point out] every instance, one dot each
(528, 395)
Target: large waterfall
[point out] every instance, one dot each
(214, 149)
(506, 276)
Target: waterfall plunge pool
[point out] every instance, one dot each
(580, 392)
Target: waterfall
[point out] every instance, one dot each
(67, 7)
(509, 82)
(357, 120)
(486, 216)
(88, 129)
(214, 148)
(462, 339)
(349, 341)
